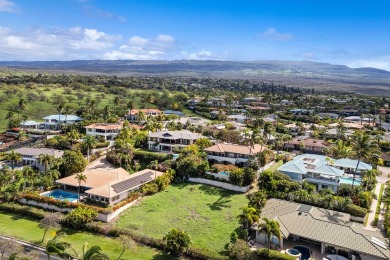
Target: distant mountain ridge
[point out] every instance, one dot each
(290, 73)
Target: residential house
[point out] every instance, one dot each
(30, 156)
(173, 112)
(307, 144)
(109, 186)
(328, 115)
(132, 115)
(300, 111)
(323, 171)
(237, 118)
(107, 131)
(167, 141)
(322, 231)
(232, 153)
(55, 121)
(193, 102)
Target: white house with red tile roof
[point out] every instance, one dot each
(232, 153)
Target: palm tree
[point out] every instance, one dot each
(13, 158)
(80, 177)
(56, 247)
(93, 253)
(153, 165)
(59, 110)
(73, 135)
(67, 110)
(89, 143)
(141, 117)
(364, 148)
(46, 160)
(248, 216)
(270, 228)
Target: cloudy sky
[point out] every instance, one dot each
(355, 33)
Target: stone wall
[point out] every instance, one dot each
(223, 185)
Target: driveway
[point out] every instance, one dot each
(385, 174)
(100, 163)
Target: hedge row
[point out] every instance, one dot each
(356, 210)
(102, 145)
(23, 210)
(146, 156)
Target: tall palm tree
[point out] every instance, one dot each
(364, 148)
(248, 216)
(73, 135)
(270, 228)
(67, 110)
(13, 157)
(56, 247)
(59, 110)
(153, 165)
(93, 253)
(89, 143)
(80, 177)
(46, 160)
(141, 117)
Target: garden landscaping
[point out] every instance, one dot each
(208, 214)
(16, 226)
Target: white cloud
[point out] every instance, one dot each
(200, 55)
(7, 6)
(378, 63)
(139, 48)
(273, 34)
(62, 44)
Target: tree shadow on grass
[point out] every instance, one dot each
(219, 204)
(216, 191)
(162, 256)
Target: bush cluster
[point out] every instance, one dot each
(23, 210)
(146, 156)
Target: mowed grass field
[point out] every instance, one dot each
(208, 214)
(28, 230)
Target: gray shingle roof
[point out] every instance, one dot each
(323, 225)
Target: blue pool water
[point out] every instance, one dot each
(305, 252)
(346, 180)
(224, 173)
(62, 195)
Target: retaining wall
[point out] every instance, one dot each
(223, 185)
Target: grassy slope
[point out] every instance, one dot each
(36, 110)
(208, 214)
(28, 230)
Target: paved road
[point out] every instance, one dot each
(30, 247)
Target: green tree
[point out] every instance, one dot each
(176, 241)
(89, 143)
(257, 200)
(203, 143)
(13, 157)
(46, 160)
(270, 228)
(73, 162)
(240, 250)
(80, 177)
(56, 247)
(50, 221)
(92, 253)
(248, 216)
(80, 216)
(364, 148)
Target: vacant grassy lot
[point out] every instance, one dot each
(207, 213)
(275, 166)
(28, 230)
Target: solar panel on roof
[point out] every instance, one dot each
(133, 182)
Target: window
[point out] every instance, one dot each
(115, 198)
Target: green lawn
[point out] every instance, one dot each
(207, 213)
(28, 230)
(276, 165)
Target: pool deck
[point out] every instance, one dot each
(316, 249)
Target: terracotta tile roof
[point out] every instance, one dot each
(105, 126)
(111, 189)
(96, 178)
(235, 148)
(145, 111)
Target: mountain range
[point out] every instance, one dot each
(307, 74)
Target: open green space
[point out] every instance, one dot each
(28, 230)
(276, 165)
(208, 214)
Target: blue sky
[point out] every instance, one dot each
(355, 33)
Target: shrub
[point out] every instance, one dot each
(79, 217)
(176, 241)
(102, 145)
(265, 254)
(356, 210)
(146, 156)
(23, 210)
(149, 188)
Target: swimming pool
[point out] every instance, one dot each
(347, 180)
(224, 173)
(305, 252)
(61, 195)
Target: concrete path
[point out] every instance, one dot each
(384, 177)
(374, 204)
